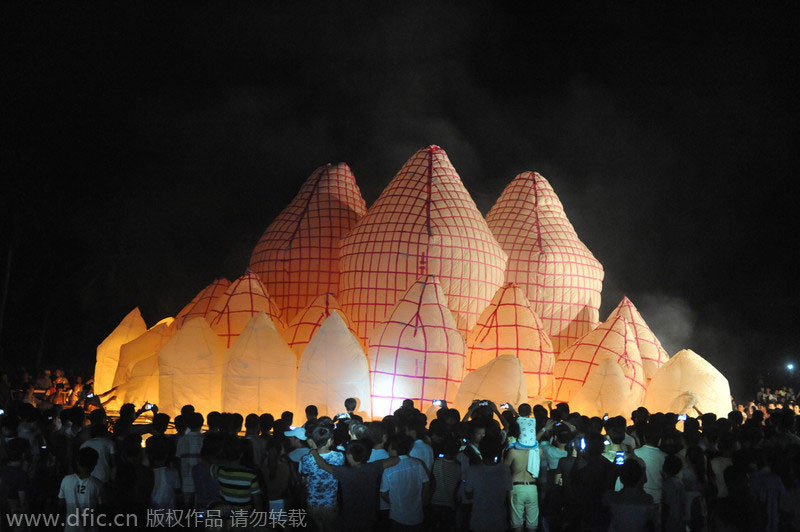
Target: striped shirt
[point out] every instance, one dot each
(237, 485)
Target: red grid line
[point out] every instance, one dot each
(202, 304)
(559, 275)
(509, 326)
(297, 257)
(611, 339)
(424, 219)
(243, 299)
(653, 355)
(306, 322)
(417, 353)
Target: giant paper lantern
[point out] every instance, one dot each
(260, 371)
(203, 302)
(607, 391)
(424, 222)
(500, 380)
(297, 257)
(653, 355)
(105, 368)
(558, 273)
(144, 346)
(688, 384)
(418, 352)
(509, 326)
(306, 322)
(243, 299)
(190, 369)
(333, 367)
(611, 339)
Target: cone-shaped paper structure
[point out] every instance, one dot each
(297, 257)
(424, 222)
(260, 372)
(108, 351)
(509, 326)
(190, 369)
(688, 384)
(142, 383)
(243, 299)
(607, 391)
(417, 353)
(558, 273)
(653, 355)
(333, 368)
(140, 348)
(306, 322)
(500, 380)
(203, 302)
(612, 339)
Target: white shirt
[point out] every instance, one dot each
(105, 450)
(424, 452)
(78, 493)
(404, 484)
(653, 459)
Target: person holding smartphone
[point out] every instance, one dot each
(487, 486)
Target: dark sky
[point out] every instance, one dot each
(146, 150)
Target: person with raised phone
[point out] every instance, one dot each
(358, 483)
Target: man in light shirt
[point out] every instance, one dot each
(421, 450)
(653, 459)
(101, 442)
(80, 493)
(187, 451)
(405, 486)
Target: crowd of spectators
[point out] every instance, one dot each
(487, 469)
(783, 397)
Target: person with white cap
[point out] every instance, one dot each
(297, 443)
(523, 457)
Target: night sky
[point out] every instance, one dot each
(144, 151)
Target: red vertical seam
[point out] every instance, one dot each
(303, 212)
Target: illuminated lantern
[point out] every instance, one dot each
(333, 367)
(424, 222)
(141, 385)
(653, 355)
(611, 339)
(260, 371)
(203, 302)
(558, 273)
(297, 257)
(417, 353)
(607, 391)
(306, 322)
(140, 348)
(190, 369)
(509, 326)
(688, 384)
(243, 299)
(105, 368)
(501, 380)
